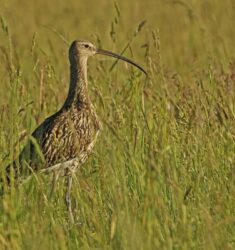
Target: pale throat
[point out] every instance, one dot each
(82, 68)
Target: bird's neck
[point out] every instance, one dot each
(78, 93)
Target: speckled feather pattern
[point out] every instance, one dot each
(68, 135)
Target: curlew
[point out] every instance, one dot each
(64, 140)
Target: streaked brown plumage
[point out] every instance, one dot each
(68, 136)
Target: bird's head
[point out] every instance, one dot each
(81, 49)
(84, 49)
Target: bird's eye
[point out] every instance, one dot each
(86, 46)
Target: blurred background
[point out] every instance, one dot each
(190, 32)
(162, 174)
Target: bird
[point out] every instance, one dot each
(64, 140)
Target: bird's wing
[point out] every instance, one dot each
(32, 152)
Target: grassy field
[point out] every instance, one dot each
(162, 175)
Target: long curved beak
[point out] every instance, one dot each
(108, 53)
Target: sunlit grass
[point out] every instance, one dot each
(162, 174)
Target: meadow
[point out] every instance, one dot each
(162, 175)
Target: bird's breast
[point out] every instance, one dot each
(72, 135)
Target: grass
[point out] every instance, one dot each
(162, 174)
